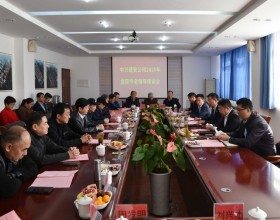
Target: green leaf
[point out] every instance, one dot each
(180, 159)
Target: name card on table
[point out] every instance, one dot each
(131, 210)
(228, 211)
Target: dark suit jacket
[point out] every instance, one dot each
(204, 112)
(214, 119)
(148, 101)
(38, 108)
(232, 124)
(172, 102)
(76, 123)
(62, 135)
(259, 136)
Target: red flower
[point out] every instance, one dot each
(173, 136)
(171, 147)
(153, 132)
(146, 118)
(159, 139)
(154, 118)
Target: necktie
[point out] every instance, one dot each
(212, 113)
(85, 122)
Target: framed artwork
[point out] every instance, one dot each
(6, 82)
(51, 69)
(39, 74)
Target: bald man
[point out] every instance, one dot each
(15, 165)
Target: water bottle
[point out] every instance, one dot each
(97, 170)
(175, 108)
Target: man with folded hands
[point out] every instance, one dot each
(202, 110)
(92, 114)
(170, 101)
(230, 120)
(79, 122)
(43, 150)
(59, 130)
(15, 165)
(254, 133)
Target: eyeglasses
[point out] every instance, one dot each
(240, 109)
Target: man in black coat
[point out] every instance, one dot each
(59, 130)
(170, 101)
(40, 105)
(254, 133)
(43, 150)
(132, 100)
(15, 165)
(215, 116)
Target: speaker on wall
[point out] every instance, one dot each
(251, 46)
(32, 46)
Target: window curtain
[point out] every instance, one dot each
(235, 74)
(267, 98)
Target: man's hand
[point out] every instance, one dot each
(73, 152)
(106, 120)
(223, 137)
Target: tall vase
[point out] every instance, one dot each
(160, 188)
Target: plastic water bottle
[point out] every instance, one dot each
(175, 108)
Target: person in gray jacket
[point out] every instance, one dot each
(43, 150)
(254, 133)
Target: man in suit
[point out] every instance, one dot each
(202, 111)
(151, 99)
(191, 98)
(230, 120)
(15, 165)
(111, 103)
(132, 100)
(59, 130)
(170, 101)
(40, 105)
(254, 133)
(43, 150)
(79, 121)
(215, 117)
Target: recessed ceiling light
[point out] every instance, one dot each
(104, 24)
(121, 47)
(167, 23)
(10, 20)
(227, 36)
(267, 20)
(161, 47)
(87, 0)
(115, 39)
(164, 38)
(256, 19)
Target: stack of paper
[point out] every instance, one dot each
(56, 179)
(12, 215)
(81, 157)
(95, 141)
(229, 145)
(110, 131)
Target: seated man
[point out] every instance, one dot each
(254, 133)
(92, 115)
(111, 103)
(202, 111)
(47, 100)
(79, 121)
(215, 117)
(230, 120)
(40, 105)
(170, 101)
(191, 98)
(150, 100)
(25, 109)
(15, 166)
(116, 103)
(102, 111)
(132, 100)
(59, 131)
(43, 150)
(8, 115)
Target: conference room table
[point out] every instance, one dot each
(246, 177)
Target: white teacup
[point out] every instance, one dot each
(125, 125)
(257, 214)
(83, 206)
(100, 150)
(118, 119)
(127, 135)
(133, 106)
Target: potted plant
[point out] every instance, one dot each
(156, 146)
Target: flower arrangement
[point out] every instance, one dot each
(156, 143)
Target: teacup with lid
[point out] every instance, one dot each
(257, 214)
(83, 206)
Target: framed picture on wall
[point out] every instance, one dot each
(51, 70)
(6, 82)
(39, 74)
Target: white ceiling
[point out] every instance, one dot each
(203, 27)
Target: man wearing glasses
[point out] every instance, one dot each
(254, 133)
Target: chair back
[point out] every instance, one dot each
(266, 118)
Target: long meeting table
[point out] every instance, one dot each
(248, 178)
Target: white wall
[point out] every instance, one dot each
(195, 71)
(23, 68)
(256, 75)
(84, 68)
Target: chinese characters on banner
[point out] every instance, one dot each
(131, 210)
(228, 211)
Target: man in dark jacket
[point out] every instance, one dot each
(132, 100)
(215, 116)
(202, 111)
(79, 121)
(15, 165)
(43, 150)
(170, 101)
(40, 105)
(254, 133)
(59, 131)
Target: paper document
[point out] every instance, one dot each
(95, 141)
(109, 131)
(81, 157)
(12, 215)
(226, 143)
(57, 173)
(55, 182)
